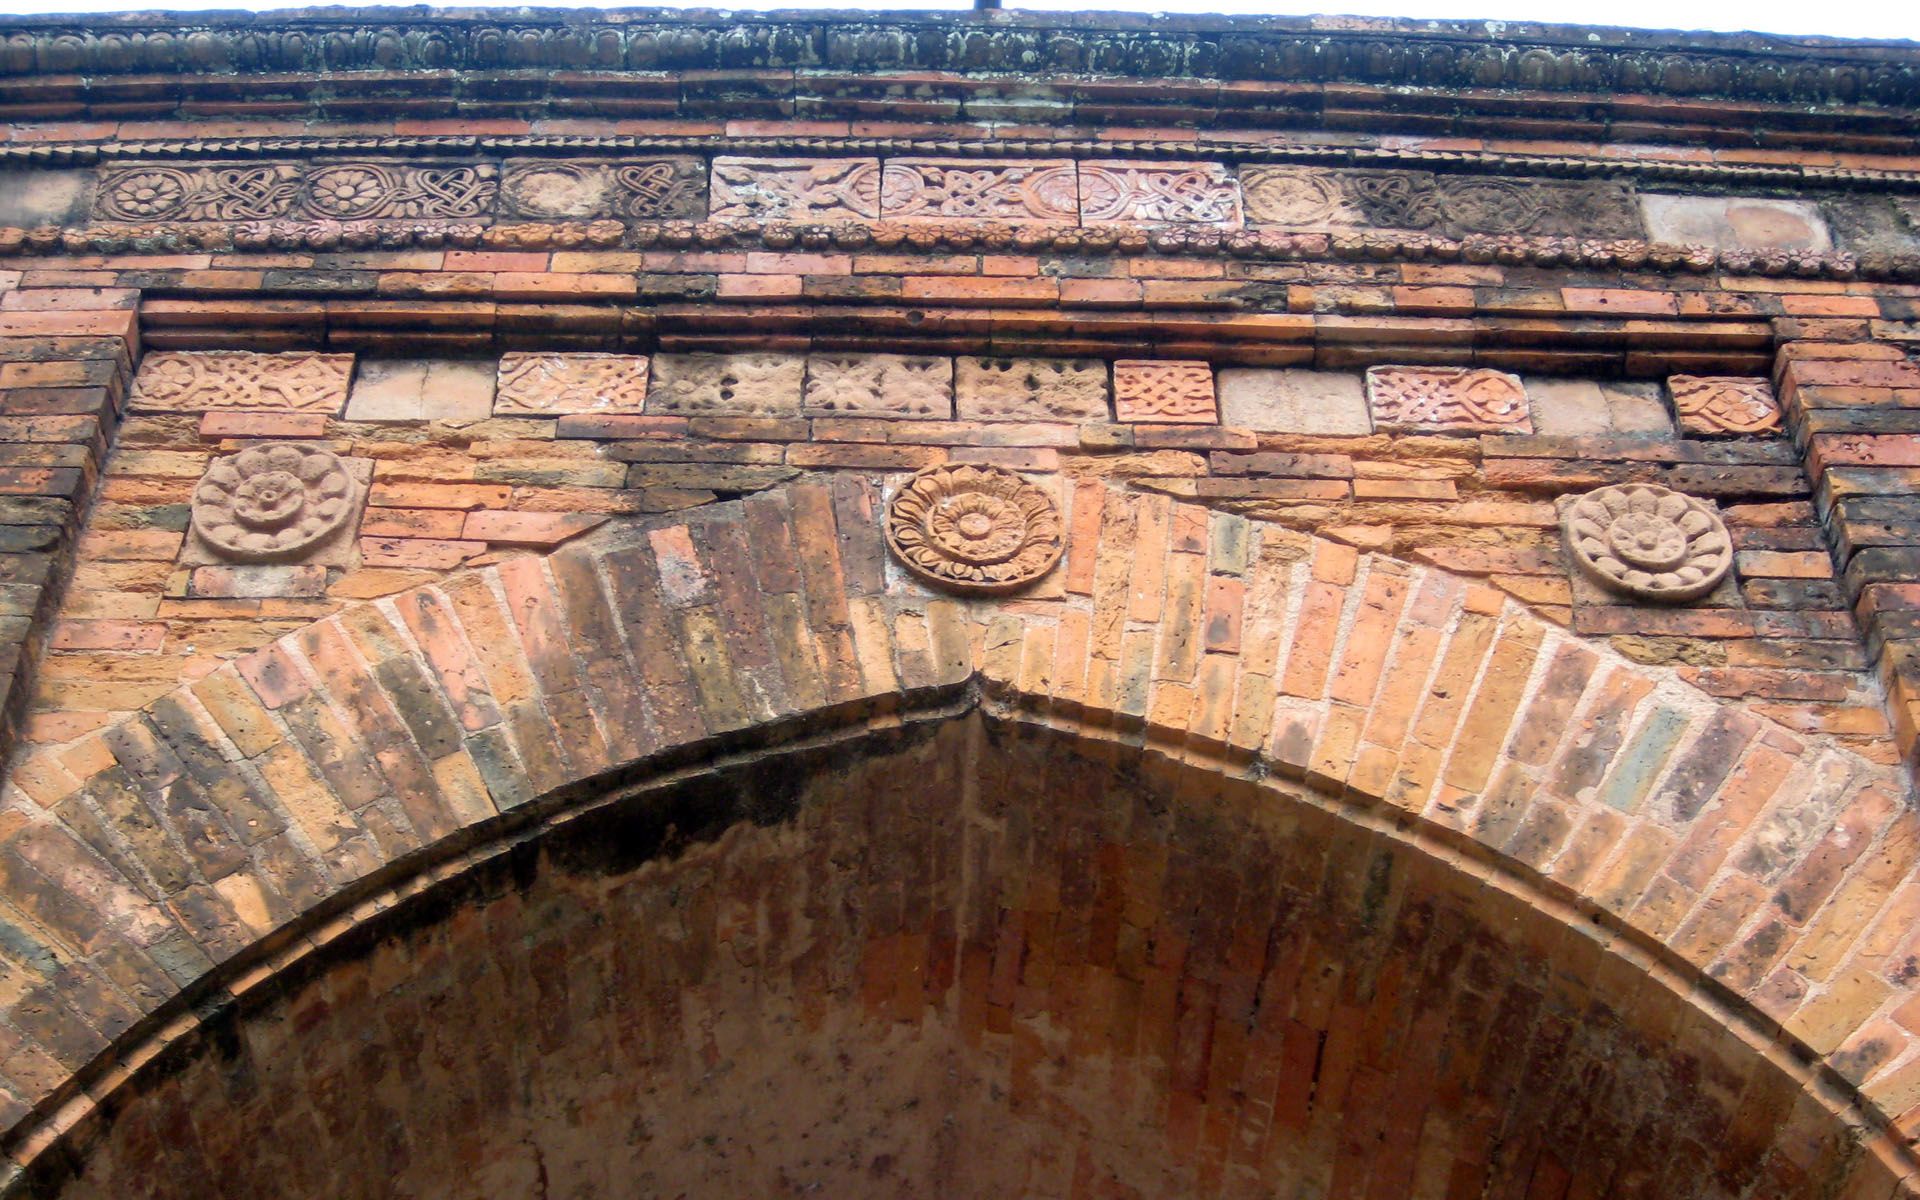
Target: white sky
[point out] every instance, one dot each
(1871, 19)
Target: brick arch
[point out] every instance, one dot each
(1728, 858)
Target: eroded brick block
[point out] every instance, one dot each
(32, 198)
(552, 384)
(879, 385)
(545, 190)
(1754, 222)
(1031, 389)
(1447, 400)
(422, 390)
(1717, 405)
(795, 189)
(1171, 392)
(742, 385)
(205, 380)
(1293, 401)
(1584, 407)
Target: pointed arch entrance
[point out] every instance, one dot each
(963, 955)
(1426, 802)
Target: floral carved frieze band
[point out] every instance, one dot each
(1043, 192)
(371, 191)
(416, 41)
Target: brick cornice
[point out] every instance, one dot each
(1693, 88)
(1454, 55)
(1788, 178)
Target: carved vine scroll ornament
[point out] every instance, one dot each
(271, 503)
(1649, 542)
(975, 529)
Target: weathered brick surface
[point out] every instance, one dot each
(631, 419)
(1082, 908)
(1382, 681)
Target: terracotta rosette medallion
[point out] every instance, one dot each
(1647, 541)
(974, 529)
(270, 503)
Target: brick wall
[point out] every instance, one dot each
(416, 429)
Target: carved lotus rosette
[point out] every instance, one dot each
(270, 503)
(1648, 541)
(975, 529)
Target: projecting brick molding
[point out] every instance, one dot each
(1755, 871)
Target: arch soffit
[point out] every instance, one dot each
(359, 759)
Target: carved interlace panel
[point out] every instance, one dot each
(1648, 542)
(260, 191)
(795, 189)
(550, 384)
(879, 385)
(974, 529)
(206, 380)
(735, 385)
(1447, 400)
(960, 189)
(1420, 200)
(1029, 191)
(1724, 404)
(218, 192)
(1174, 392)
(273, 503)
(1030, 389)
(1191, 193)
(364, 191)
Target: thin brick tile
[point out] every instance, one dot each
(1539, 729)
(543, 640)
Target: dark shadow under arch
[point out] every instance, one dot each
(956, 955)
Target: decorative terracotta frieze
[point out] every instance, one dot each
(1158, 391)
(742, 385)
(971, 189)
(349, 191)
(878, 385)
(1648, 542)
(543, 189)
(1200, 193)
(802, 189)
(975, 529)
(1719, 405)
(1030, 389)
(553, 384)
(1447, 400)
(211, 380)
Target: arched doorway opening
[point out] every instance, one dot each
(964, 956)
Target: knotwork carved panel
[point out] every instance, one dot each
(1448, 400)
(1724, 404)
